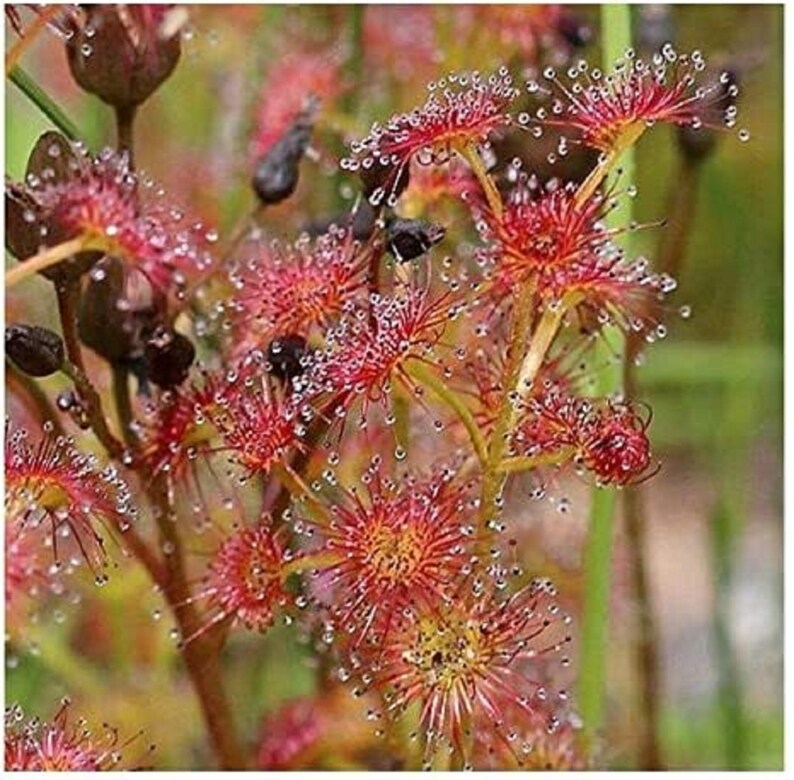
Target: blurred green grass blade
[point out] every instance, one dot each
(700, 363)
(28, 86)
(616, 37)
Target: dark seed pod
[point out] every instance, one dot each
(408, 239)
(35, 351)
(384, 182)
(168, 356)
(361, 222)
(286, 357)
(277, 171)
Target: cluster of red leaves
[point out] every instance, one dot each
(419, 615)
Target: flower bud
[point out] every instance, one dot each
(167, 357)
(277, 171)
(35, 351)
(122, 53)
(286, 357)
(408, 239)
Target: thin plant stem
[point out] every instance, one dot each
(470, 154)
(68, 294)
(125, 119)
(299, 489)
(646, 644)
(492, 480)
(672, 245)
(28, 86)
(96, 416)
(401, 407)
(318, 560)
(123, 403)
(202, 654)
(621, 151)
(724, 530)
(616, 32)
(520, 376)
(46, 259)
(529, 463)
(355, 62)
(423, 375)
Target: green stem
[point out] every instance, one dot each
(725, 525)
(123, 402)
(529, 462)
(616, 31)
(46, 259)
(520, 376)
(355, 62)
(28, 86)
(470, 154)
(426, 377)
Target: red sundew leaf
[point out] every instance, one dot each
(244, 581)
(606, 437)
(368, 349)
(396, 548)
(636, 94)
(58, 745)
(52, 481)
(460, 109)
(564, 249)
(469, 657)
(121, 212)
(296, 290)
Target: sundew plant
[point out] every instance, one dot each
(310, 314)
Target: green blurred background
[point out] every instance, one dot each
(714, 547)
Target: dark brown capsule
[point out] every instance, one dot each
(35, 351)
(278, 170)
(408, 239)
(286, 357)
(167, 357)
